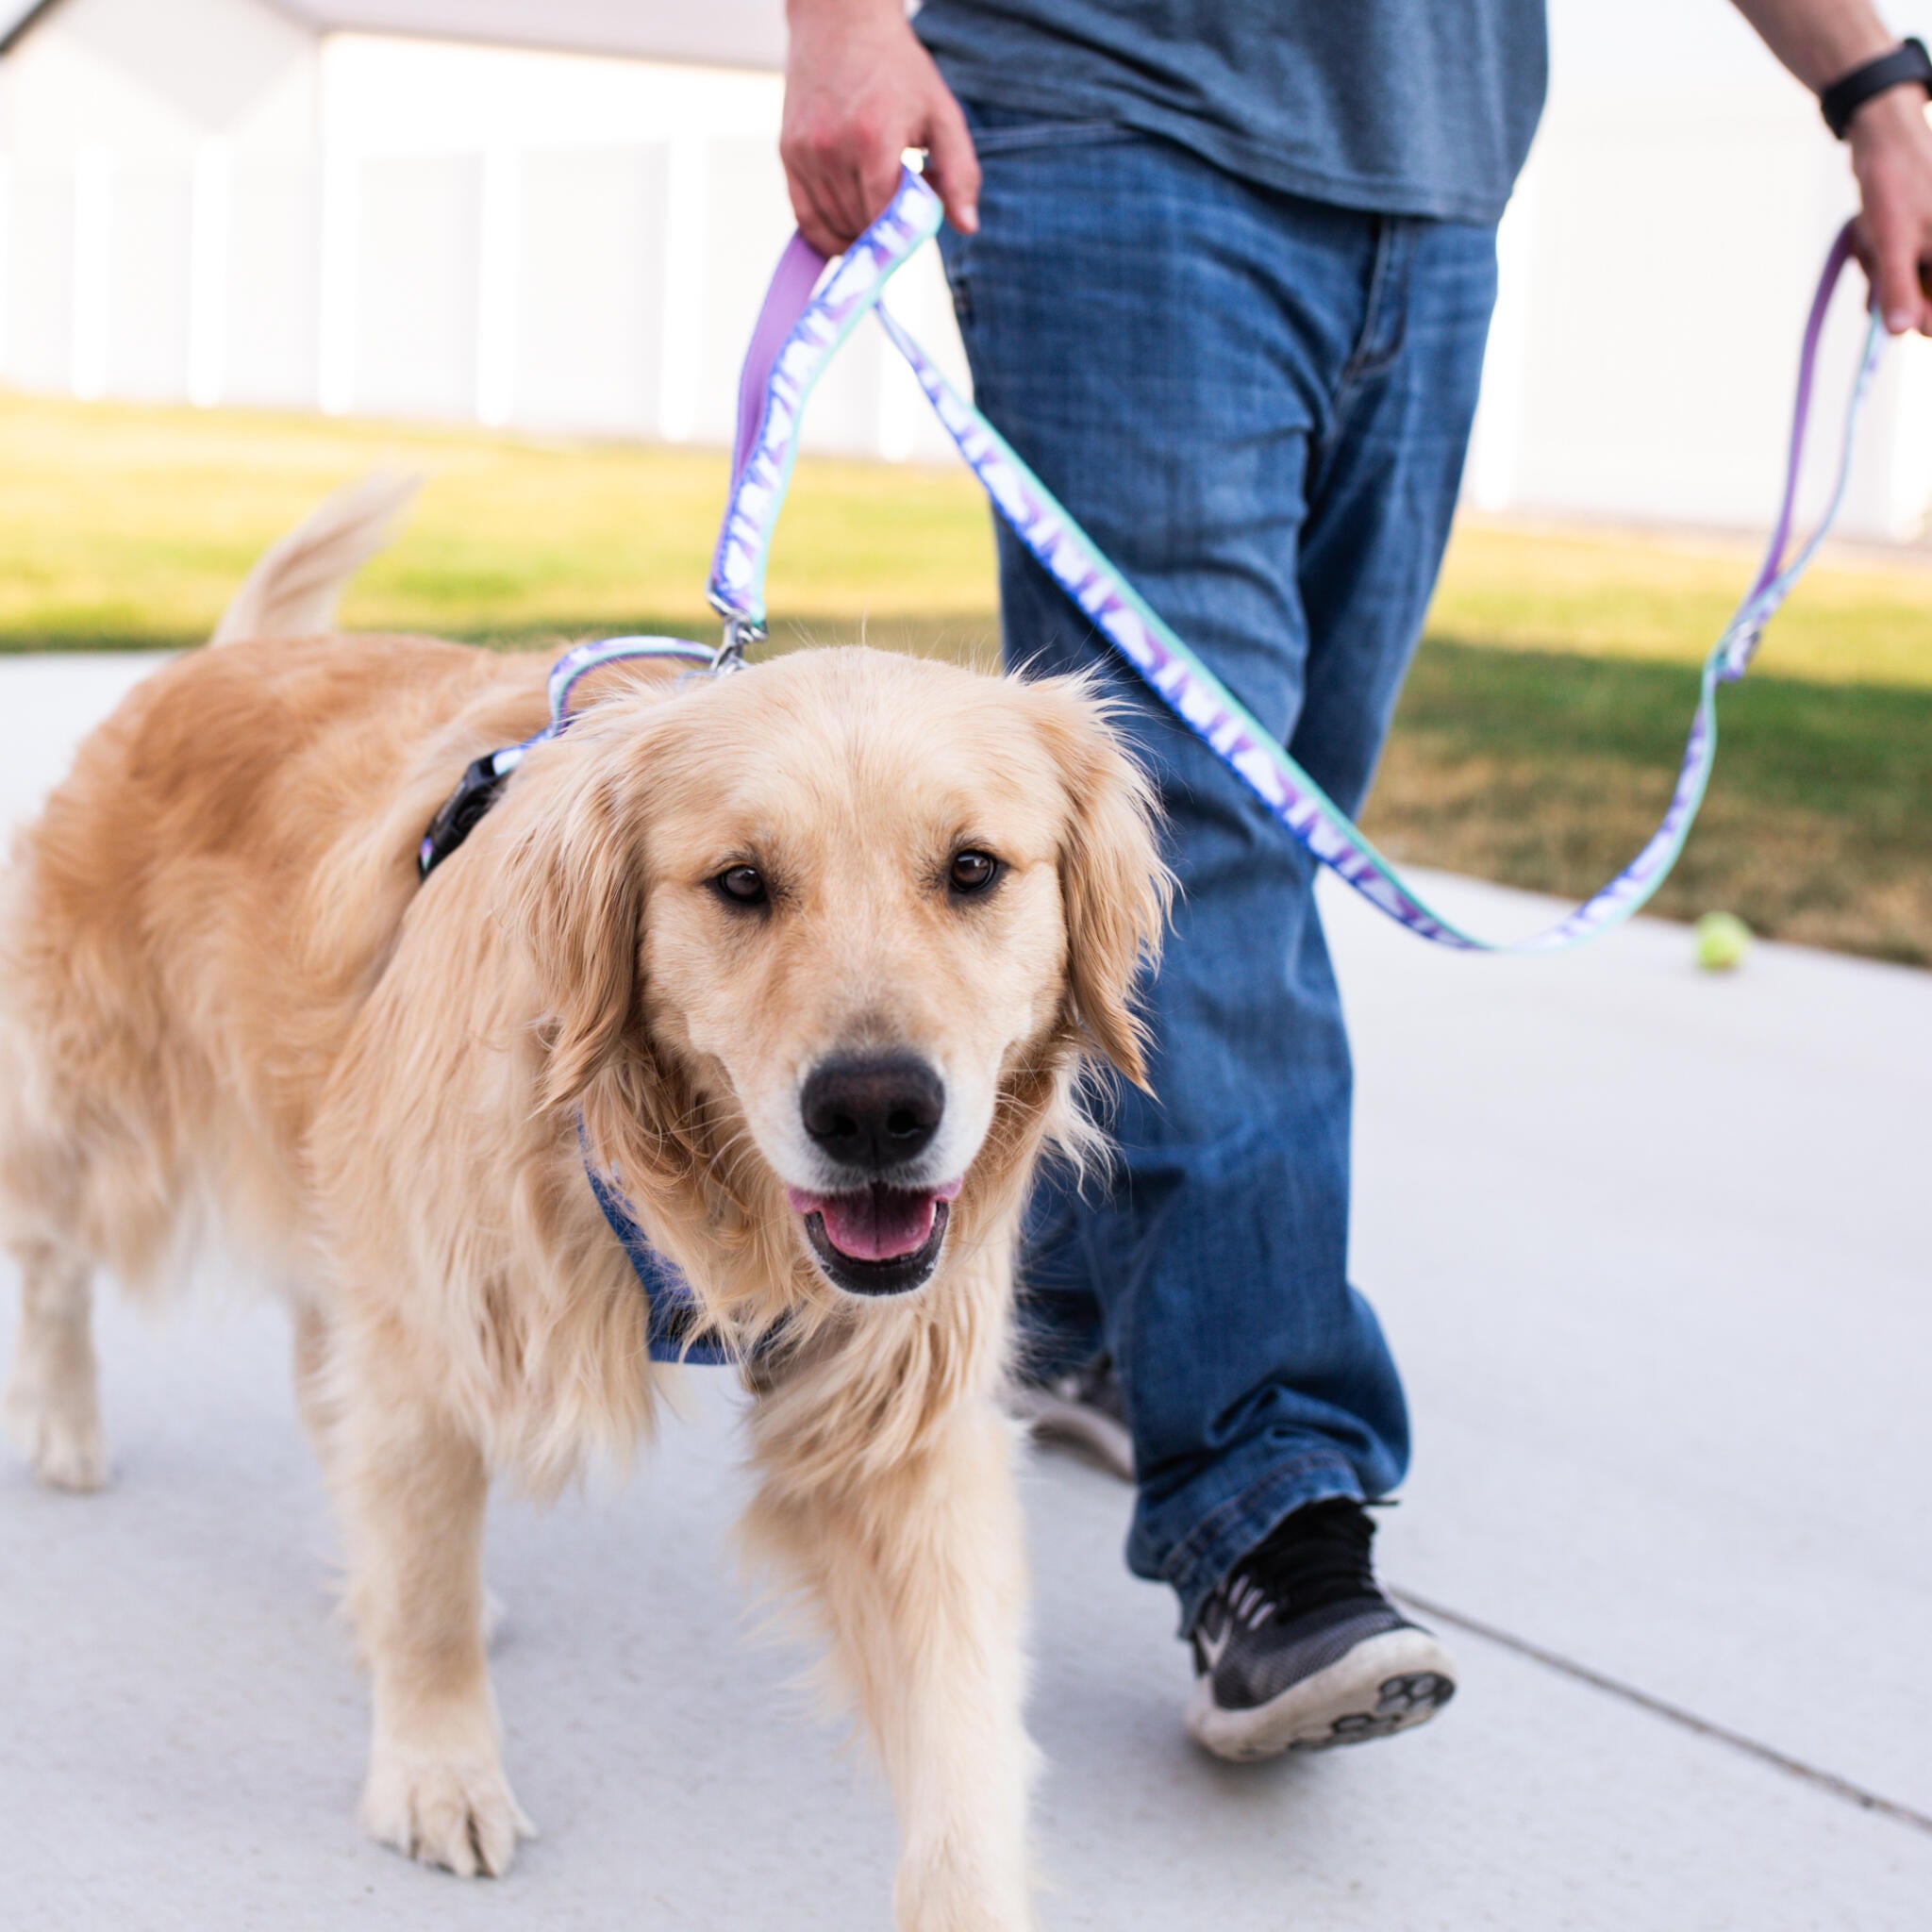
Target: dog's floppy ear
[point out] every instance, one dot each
(1114, 887)
(576, 899)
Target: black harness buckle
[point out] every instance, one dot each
(461, 812)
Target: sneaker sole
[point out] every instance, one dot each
(1386, 1684)
(1075, 1425)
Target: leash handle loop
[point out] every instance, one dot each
(800, 328)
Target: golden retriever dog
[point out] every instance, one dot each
(806, 961)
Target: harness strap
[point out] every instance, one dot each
(671, 1310)
(799, 332)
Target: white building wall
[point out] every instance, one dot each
(649, 209)
(140, 137)
(268, 294)
(640, 211)
(587, 290)
(40, 273)
(148, 242)
(416, 262)
(204, 201)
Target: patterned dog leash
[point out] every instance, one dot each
(802, 326)
(806, 317)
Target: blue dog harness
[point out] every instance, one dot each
(671, 1310)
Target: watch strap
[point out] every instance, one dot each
(1906, 65)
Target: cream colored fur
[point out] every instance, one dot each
(221, 982)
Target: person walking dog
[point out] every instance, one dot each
(1225, 276)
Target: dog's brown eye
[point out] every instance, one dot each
(972, 872)
(741, 885)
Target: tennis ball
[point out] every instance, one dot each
(1722, 940)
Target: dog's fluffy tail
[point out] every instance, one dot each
(291, 591)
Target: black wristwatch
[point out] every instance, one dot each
(1906, 65)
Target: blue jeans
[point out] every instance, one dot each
(1258, 405)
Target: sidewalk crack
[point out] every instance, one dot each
(1828, 1781)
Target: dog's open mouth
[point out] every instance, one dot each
(877, 1240)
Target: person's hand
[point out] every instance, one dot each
(860, 90)
(1891, 156)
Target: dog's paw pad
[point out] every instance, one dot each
(66, 1452)
(456, 1813)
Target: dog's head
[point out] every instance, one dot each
(829, 937)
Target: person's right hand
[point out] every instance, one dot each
(860, 90)
(1892, 157)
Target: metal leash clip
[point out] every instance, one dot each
(740, 633)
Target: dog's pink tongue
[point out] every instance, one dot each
(875, 1224)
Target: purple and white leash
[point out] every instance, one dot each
(797, 334)
(802, 326)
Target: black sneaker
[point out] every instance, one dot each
(1085, 1410)
(1298, 1649)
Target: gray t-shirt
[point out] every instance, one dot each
(1401, 106)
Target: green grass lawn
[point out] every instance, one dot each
(1536, 742)
(124, 528)
(1548, 769)
(1652, 598)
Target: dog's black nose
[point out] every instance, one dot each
(872, 1111)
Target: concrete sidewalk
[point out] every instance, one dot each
(1651, 1245)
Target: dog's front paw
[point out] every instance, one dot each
(62, 1441)
(455, 1812)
